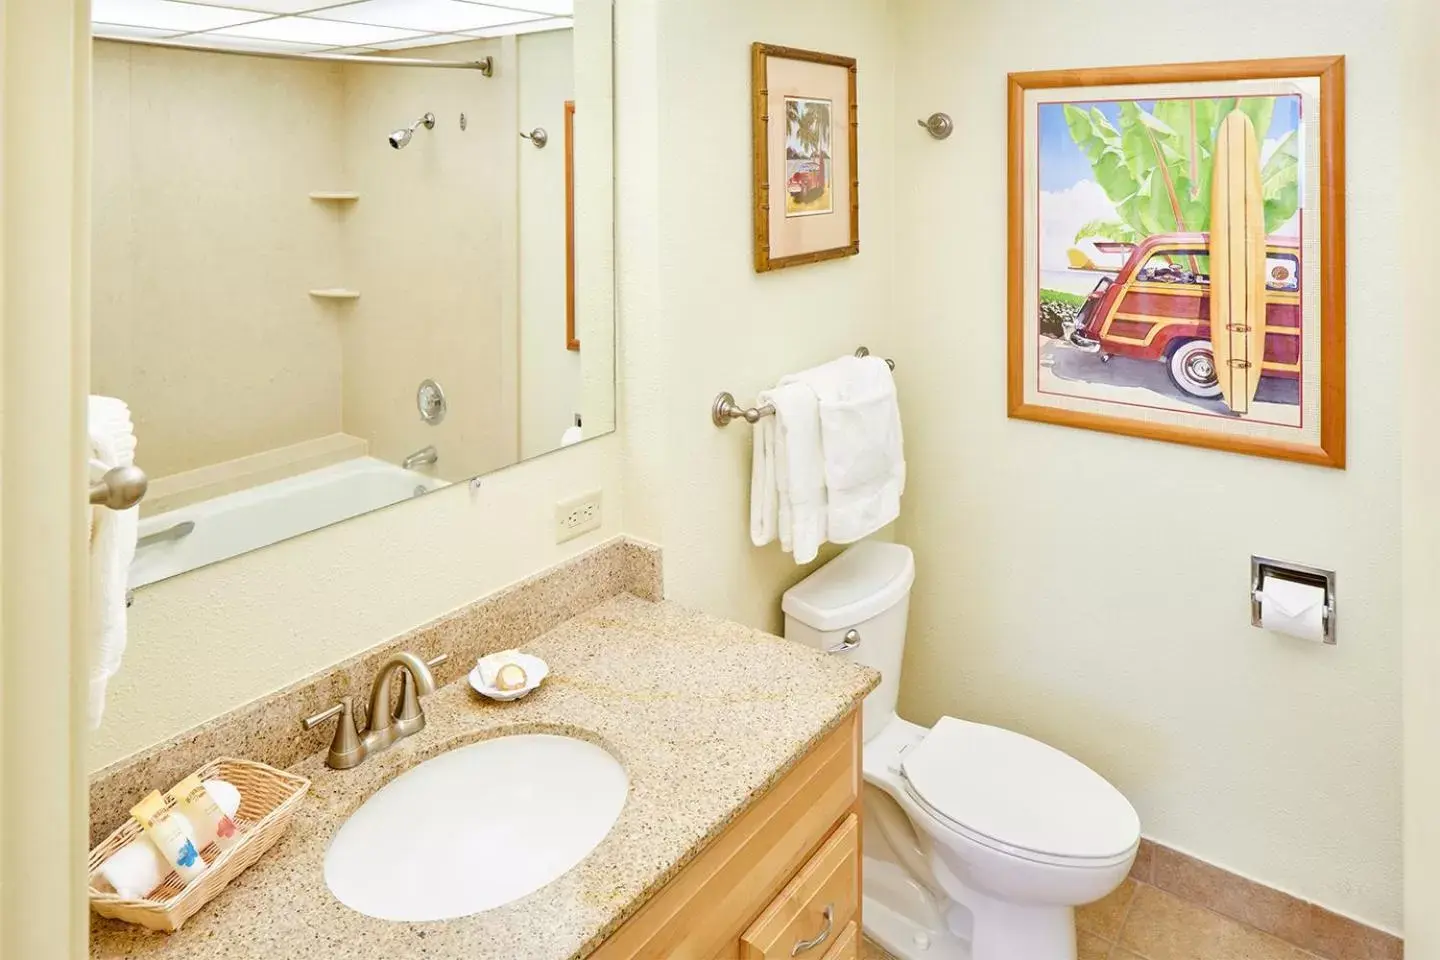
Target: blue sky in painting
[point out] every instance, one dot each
(1062, 165)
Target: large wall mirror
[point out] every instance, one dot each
(346, 257)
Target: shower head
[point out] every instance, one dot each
(399, 138)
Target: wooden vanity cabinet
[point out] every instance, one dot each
(784, 873)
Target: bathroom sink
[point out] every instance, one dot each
(476, 828)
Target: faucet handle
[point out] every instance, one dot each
(346, 750)
(411, 719)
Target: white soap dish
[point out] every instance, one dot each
(535, 669)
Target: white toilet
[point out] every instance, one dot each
(979, 842)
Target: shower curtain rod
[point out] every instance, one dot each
(486, 65)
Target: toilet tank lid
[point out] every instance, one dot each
(861, 583)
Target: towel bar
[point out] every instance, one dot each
(725, 409)
(120, 489)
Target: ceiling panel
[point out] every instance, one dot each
(266, 6)
(429, 16)
(429, 40)
(326, 33)
(325, 24)
(531, 26)
(553, 8)
(116, 31)
(168, 15)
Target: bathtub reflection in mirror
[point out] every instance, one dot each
(329, 286)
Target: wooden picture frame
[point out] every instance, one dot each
(572, 342)
(1251, 411)
(821, 219)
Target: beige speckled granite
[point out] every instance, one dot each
(704, 714)
(268, 730)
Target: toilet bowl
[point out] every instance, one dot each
(979, 842)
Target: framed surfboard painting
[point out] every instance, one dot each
(1177, 254)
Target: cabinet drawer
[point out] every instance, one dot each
(848, 946)
(700, 914)
(815, 908)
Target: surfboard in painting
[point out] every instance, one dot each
(1237, 262)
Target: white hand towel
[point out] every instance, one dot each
(799, 467)
(764, 495)
(113, 536)
(862, 442)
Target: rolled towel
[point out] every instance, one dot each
(135, 869)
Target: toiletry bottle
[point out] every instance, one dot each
(210, 822)
(162, 827)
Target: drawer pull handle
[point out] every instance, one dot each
(803, 945)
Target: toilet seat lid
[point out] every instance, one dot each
(1019, 792)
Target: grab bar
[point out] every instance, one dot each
(178, 531)
(725, 409)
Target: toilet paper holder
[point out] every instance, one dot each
(1262, 567)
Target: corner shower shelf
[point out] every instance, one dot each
(335, 196)
(335, 293)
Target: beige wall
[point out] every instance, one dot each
(1421, 507)
(596, 214)
(205, 245)
(549, 373)
(243, 628)
(1070, 584)
(709, 322)
(431, 248)
(44, 303)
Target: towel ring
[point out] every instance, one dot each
(725, 409)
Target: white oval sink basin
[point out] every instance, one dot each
(476, 828)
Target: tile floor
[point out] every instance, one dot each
(1141, 922)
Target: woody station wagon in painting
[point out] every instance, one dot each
(1157, 307)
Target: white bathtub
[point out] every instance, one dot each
(249, 519)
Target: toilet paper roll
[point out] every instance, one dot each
(1294, 609)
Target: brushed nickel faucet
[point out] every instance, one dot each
(423, 457)
(351, 746)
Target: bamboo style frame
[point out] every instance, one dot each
(1330, 451)
(760, 125)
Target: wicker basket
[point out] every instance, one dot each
(268, 799)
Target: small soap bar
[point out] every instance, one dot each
(510, 677)
(490, 666)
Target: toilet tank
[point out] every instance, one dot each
(865, 589)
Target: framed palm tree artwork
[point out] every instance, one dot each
(1177, 254)
(807, 190)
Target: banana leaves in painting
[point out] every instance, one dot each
(1155, 165)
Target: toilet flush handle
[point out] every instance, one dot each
(851, 641)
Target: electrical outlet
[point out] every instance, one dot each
(576, 516)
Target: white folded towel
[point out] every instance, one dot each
(863, 445)
(799, 470)
(113, 535)
(830, 465)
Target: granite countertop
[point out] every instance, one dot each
(704, 714)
